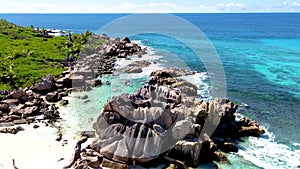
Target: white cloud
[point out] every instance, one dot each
(286, 6)
(135, 6)
(125, 7)
(296, 4)
(162, 4)
(164, 7)
(231, 6)
(206, 8)
(281, 5)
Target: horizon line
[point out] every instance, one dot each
(154, 12)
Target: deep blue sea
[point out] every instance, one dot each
(260, 53)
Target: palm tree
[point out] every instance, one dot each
(43, 31)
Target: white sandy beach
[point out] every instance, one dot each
(35, 149)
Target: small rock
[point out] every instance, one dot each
(52, 97)
(21, 121)
(86, 101)
(20, 128)
(62, 94)
(217, 156)
(88, 134)
(98, 82)
(36, 126)
(11, 101)
(63, 102)
(84, 97)
(93, 162)
(228, 147)
(11, 130)
(60, 159)
(126, 40)
(4, 107)
(17, 94)
(59, 137)
(7, 124)
(4, 92)
(112, 164)
(29, 110)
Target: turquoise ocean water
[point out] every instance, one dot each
(261, 58)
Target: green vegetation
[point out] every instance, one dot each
(27, 54)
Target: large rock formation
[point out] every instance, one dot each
(165, 119)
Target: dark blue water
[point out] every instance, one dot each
(261, 58)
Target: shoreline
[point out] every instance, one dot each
(129, 62)
(46, 138)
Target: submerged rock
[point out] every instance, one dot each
(135, 67)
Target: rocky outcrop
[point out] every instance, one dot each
(23, 105)
(164, 119)
(47, 84)
(135, 67)
(122, 48)
(246, 127)
(88, 69)
(13, 130)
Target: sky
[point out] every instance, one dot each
(147, 6)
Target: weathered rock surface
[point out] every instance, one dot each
(246, 127)
(17, 94)
(136, 67)
(52, 97)
(4, 107)
(47, 84)
(187, 151)
(13, 130)
(122, 49)
(23, 105)
(28, 111)
(165, 117)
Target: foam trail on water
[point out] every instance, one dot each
(265, 152)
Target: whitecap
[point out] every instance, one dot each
(265, 152)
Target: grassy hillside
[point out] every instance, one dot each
(26, 55)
